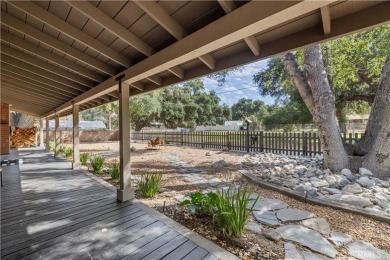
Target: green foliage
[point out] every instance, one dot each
(200, 203)
(106, 113)
(84, 158)
(149, 183)
(115, 171)
(97, 162)
(145, 109)
(232, 210)
(66, 151)
(52, 145)
(246, 107)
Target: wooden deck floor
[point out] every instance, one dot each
(49, 211)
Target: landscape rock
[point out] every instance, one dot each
(345, 172)
(363, 250)
(318, 224)
(351, 178)
(353, 188)
(291, 252)
(353, 200)
(214, 182)
(268, 218)
(208, 154)
(365, 181)
(180, 197)
(307, 238)
(321, 183)
(332, 190)
(291, 214)
(312, 192)
(339, 239)
(133, 149)
(342, 183)
(382, 201)
(254, 227)
(264, 205)
(365, 172)
(219, 164)
(271, 235)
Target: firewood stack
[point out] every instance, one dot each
(23, 137)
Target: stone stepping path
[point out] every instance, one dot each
(306, 236)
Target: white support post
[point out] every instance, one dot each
(41, 144)
(47, 135)
(57, 137)
(125, 191)
(76, 137)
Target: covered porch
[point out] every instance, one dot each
(50, 211)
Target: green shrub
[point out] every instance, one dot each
(62, 149)
(149, 184)
(115, 171)
(84, 158)
(97, 162)
(200, 203)
(232, 212)
(52, 146)
(67, 151)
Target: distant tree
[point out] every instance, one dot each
(144, 109)
(109, 112)
(247, 107)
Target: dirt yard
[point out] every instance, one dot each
(251, 245)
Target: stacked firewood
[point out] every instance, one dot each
(23, 137)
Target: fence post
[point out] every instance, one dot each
(165, 136)
(228, 139)
(304, 143)
(142, 135)
(202, 139)
(261, 141)
(247, 138)
(181, 137)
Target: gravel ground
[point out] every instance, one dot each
(145, 159)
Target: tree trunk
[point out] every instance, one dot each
(378, 158)
(335, 157)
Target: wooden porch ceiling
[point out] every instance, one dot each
(56, 53)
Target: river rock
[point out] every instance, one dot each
(318, 224)
(264, 205)
(312, 192)
(268, 218)
(382, 201)
(214, 182)
(291, 252)
(219, 164)
(345, 172)
(342, 183)
(332, 190)
(339, 239)
(352, 200)
(353, 188)
(321, 183)
(366, 182)
(365, 172)
(307, 238)
(363, 250)
(291, 214)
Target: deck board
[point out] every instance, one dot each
(49, 211)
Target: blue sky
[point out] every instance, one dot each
(239, 84)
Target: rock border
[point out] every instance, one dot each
(333, 204)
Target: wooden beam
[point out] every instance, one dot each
(64, 27)
(34, 97)
(155, 79)
(38, 35)
(177, 71)
(326, 20)
(208, 60)
(253, 45)
(28, 89)
(41, 64)
(42, 72)
(227, 6)
(138, 85)
(111, 25)
(32, 78)
(43, 53)
(160, 16)
(260, 16)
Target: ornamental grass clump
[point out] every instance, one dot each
(67, 151)
(84, 158)
(97, 162)
(149, 183)
(115, 171)
(52, 146)
(232, 210)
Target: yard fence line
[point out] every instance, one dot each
(301, 143)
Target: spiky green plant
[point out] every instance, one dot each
(97, 162)
(115, 171)
(84, 158)
(52, 146)
(232, 210)
(149, 183)
(66, 151)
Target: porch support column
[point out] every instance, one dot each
(41, 133)
(76, 137)
(47, 135)
(125, 191)
(57, 135)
